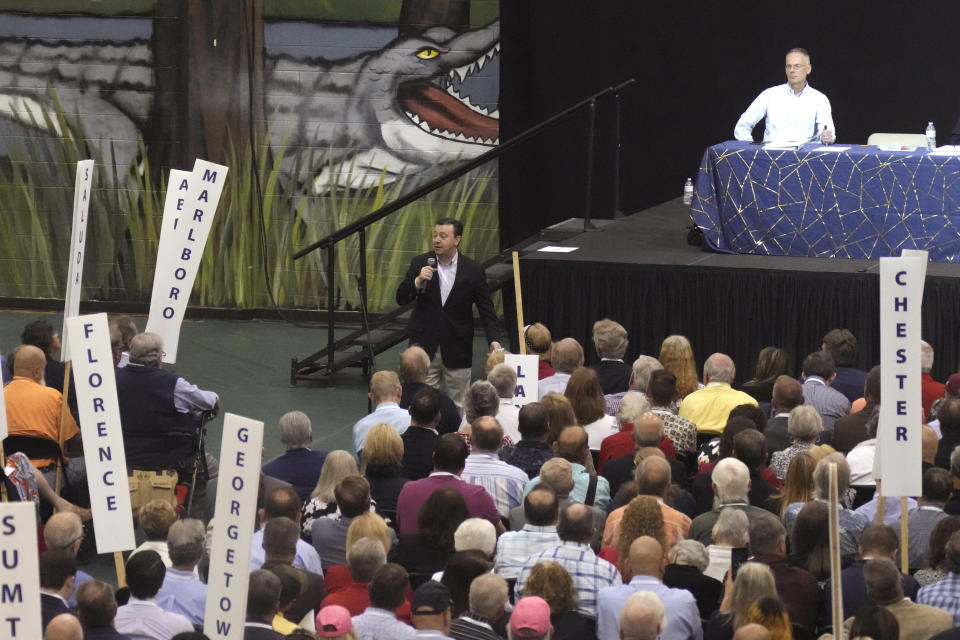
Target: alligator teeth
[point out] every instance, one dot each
(414, 117)
(425, 126)
(480, 62)
(495, 114)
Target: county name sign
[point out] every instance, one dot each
(236, 510)
(78, 237)
(528, 377)
(901, 413)
(19, 572)
(178, 266)
(100, 428)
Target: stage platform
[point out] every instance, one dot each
(640, 271)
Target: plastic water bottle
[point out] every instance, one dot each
(688, 192)
(931, 136)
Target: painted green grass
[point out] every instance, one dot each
(248, 244)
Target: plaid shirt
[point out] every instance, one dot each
(514, 547)
(589, 573)
(503, 481)
(375, 624)
(944, 595)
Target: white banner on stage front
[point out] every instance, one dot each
(78, 237)
(236, 511)
(106, 462)
(528, 377)
(901, 413)
(19, 572)
(177, 267)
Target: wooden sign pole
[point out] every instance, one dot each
(835, 568)
(64, 412)
(121, 569)
(519, 298)
(904, 543)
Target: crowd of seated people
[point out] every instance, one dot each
(653, 498)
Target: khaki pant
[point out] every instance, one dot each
(453, 382)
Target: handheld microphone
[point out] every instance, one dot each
(432, 263)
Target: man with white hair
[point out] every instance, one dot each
(730, 480)
(930, 389)
(154, 401)
(647, 560)
(709, 408)
(487, 600)
(567, 356)
(300, 465)
(643, 366)
(610, 343)
(643, 617)
(729, 532)
(503, 377)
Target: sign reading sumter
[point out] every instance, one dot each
(236, 510)
(100, 428)
(179, 262)
(901, 413)
(528, 377)
(78, 237)
(19, 572)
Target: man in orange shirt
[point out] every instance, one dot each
(34, 410)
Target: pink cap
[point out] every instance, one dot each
(530, 618)
(333, 621)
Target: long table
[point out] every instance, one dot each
(861, 202)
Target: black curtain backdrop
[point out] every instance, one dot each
(735, 311)
(885, 65)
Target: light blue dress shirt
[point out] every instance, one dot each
(387, 412)
(183, 593)
(683, 617)
(581, 482)
(789, 116)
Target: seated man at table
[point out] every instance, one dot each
(794, 111)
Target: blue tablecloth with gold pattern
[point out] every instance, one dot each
(861, 202)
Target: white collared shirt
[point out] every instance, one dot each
(447, 274)
(789, 116)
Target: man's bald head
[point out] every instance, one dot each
(29, 362)
(65, 626)
(567, 355)
(647, 430)
(576, 523)
(752, 631)
(572, 444)
(486, 434)
(63, 530)
(653, 476)
(540, 507)
(719, 368)
(929, 444)
(414, 365)
(646, 557)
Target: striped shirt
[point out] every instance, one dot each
(944, 595)
(472, 627)
(589, 573)
(380, 624)
(514, 547)
(504, 482)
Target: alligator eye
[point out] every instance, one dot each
(427, 54)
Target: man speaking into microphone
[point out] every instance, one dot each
(446, 284)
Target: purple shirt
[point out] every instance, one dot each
(414, 494)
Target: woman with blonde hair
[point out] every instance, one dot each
(797, 484)
(586, 398)
(676, 356)
(753, 581)
(382, 455)
(643, 517)
(338, 465)
(551, 581)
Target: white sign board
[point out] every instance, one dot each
(179, 263)
(106, 462)
(901, 413)
(78, 237)
(19, 572)
(236, 511)
(528, 377)
(178, 184)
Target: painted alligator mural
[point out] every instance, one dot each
(394, 112)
